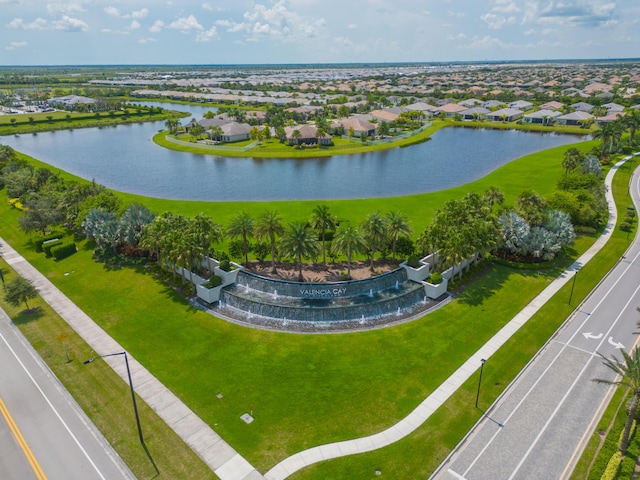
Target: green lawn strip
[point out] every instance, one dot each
(68, 121)
(104, 396)
(531, 127)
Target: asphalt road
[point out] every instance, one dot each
(43, 432)
(540, 426)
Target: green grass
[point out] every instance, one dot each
(104, 396)
(314, 389)
(59, 120)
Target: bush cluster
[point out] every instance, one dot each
(63, 251)
(41, 240)
(46, 248)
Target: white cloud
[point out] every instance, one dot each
(55, 9)
(37, 24)
(570, 13)
(69, 24)
(206, 6)
(134, 25)
(186, 24)
(531, 31)
(157, 26)
(488, 42)
(456, 14)
(113, 11)
(207, 35)
(147, 40)
(496, 22)
(14, 45)
(352, 26)
(140, 13)
(505, 6)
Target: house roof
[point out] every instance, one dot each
(521, 104)
(582, 106)
(358, 124)
(384, 115)
(577, 115)
(451, 108)
(478, 110)
(543, 113)
(553, 105)
(235, 128)
(613, 107)
(509, 112)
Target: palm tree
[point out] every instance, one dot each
(375, 230)
(347, 241)
(216, 132)
(242, 225)
(572, 159)
(398, 225)
(628, 375)
(632, 122)
(605, 133)
(493, 196)
(296, 135)
(323, 220)
(269, 224)
(205, 232)
(298, 242)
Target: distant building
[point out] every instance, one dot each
(505, 115)
(542, 117)
(71, 102)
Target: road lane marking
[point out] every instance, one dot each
(46, 399)
(569, 390)
(31, 458)
(553, 361)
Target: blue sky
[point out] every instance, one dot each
(42, 32)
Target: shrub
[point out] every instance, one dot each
(625, 227)
(435, 278)
(225, 265)
(63, 251)
(47, 246)
(214, 281)
(41, 240)
(613, 466)
(413, 261)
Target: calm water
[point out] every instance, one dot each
(124, 158)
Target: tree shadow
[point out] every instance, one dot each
(27, 316)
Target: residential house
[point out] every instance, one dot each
(582, 107)
(521, 105)
(475, 113)
(552, 105)
(609, 117)
(470, 102)
(359, 126)
(308, 135)
(505, 115)
(574, 118)
(543, 117)
(233, 132)
(613, 107)
(71, 102)
(493, 104)
(451, 109)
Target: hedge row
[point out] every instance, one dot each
(41, 240)
(63, 251)
(46, 247)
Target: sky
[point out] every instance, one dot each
(221, 32)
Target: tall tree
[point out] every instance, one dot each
(493, 196)
(628, 375)
(132, 223)
(270, 225)
(348, 241)
(20, 290)
(205, 232)
(322, 220)
(242, 226)
(299, 242)
(375, 229)
(398, 226)
(572, 159)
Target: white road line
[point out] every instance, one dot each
(570, 389)
(535, 384)
(53, 408)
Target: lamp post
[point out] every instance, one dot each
(133, 399)
(479, 380)
(573, 286)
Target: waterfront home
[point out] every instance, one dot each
(575, 118)
(359, 126)
(505, 115)
(521, 105)
(475, 113)
(308, 135)
(543, 117)
(582, 107)
(552, 105)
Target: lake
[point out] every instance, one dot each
(124, 158)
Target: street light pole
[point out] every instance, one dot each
(479, 380)
(133, 399)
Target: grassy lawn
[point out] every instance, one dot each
(104, 396)
(68, 120)
(313, 389)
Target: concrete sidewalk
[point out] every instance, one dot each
(215, 452)
(423, 411)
